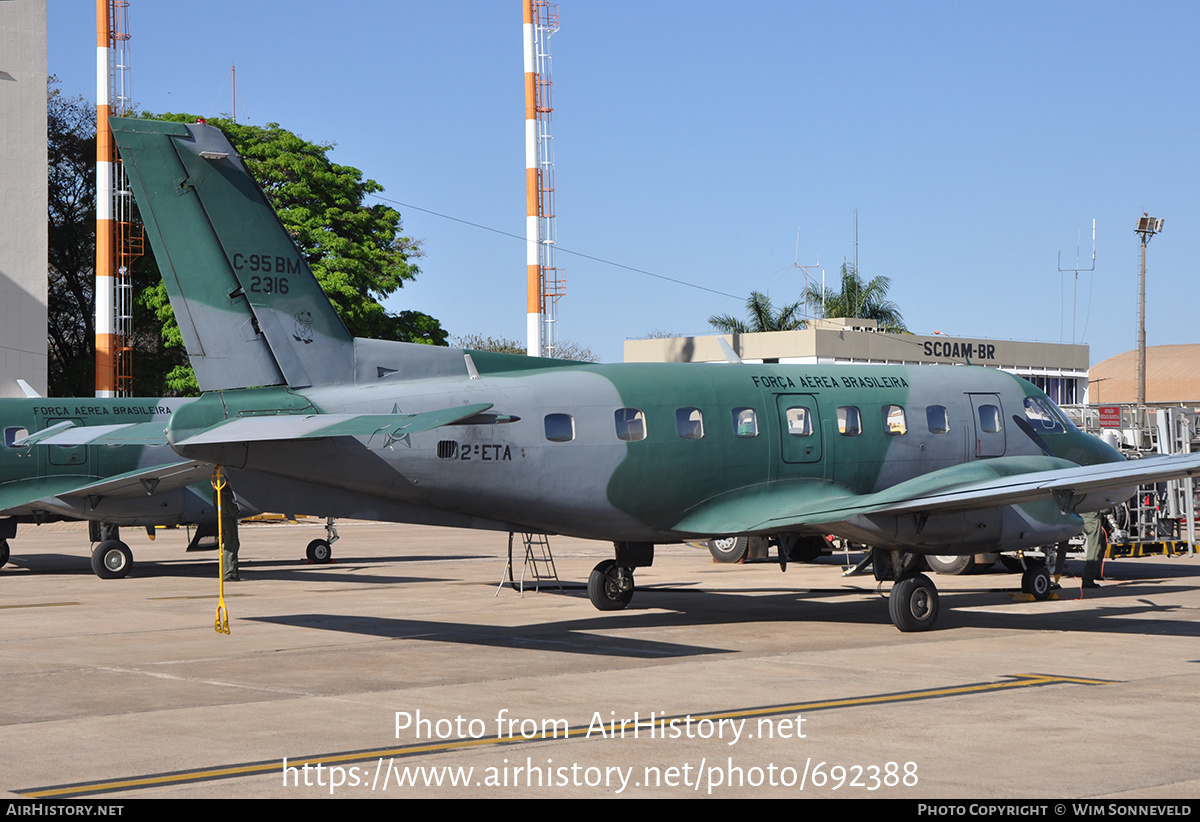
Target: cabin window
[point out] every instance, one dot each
(893, 420)
(938, 419)
(631, 424)
(799, 422)
(849, 421)
(560, 427)
(989, 419)
(1040, 416)
(689, 422)
(11, 435)
(745, 422)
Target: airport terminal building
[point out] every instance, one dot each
(1059, 369)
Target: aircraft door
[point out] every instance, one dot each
(800, 428)
(62, 457)
(987, 417)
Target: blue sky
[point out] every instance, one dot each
(694, 140)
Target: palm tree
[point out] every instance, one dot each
(763, 317)
(866, 301)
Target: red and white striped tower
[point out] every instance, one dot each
(533, 272)
(119, 241)
(544, 282)
(105, 293)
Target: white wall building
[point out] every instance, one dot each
(1060, 370)
(23, 197)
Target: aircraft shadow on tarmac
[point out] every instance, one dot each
(1123, 609)
(349, 570)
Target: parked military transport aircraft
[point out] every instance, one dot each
(111, 487)
(125, 474)
(910, 460)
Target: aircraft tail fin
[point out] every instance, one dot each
(250, 310)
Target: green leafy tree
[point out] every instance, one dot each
(855, 298)
(567, 350)
(763, 317)
(71, 156)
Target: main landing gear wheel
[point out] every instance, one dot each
(112, 559)
(729, 549)
(913, 603)
(3, 552)
(319, 552)
(610, 587)
(952, 565)
(1036, 582)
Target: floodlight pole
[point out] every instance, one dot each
(1147, 227)
(1141, 340)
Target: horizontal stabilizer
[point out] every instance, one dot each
(390, 427)
(68, 433)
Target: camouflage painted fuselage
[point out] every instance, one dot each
(935, 459)
(42, 483)
(669, 484)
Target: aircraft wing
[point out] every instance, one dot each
(29, 495)
(981, 484)
(145, 481)
(18, 497)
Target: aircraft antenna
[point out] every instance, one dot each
(118, 240)
(1076, 270)
(545, 283)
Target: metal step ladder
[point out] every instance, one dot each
(538, 564)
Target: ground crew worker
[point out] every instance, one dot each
(229, 531)
(1093, 536)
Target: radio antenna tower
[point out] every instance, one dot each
(1075, 290)
(804, 270)
(118, 241)
(544, 282)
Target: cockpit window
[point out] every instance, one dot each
(12, 434)
(1041, 416)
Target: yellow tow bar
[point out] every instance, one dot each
(222, 623)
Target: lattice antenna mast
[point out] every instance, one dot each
(544, 281)
(119, 241)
